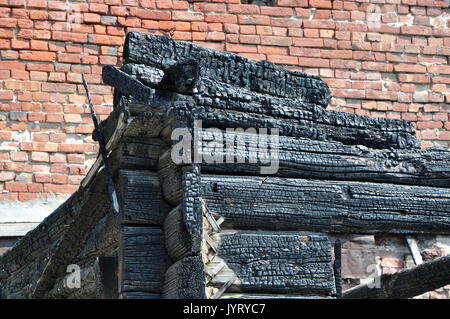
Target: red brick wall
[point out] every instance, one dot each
(381, 58)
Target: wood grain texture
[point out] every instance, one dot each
(137, 153)
(270, 262)
(141, 198)
(327, 206)
(305, 158)
(262, 76)
(179, 242)
(143, 260)
(31, 268)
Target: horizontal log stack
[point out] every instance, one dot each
(202, 229)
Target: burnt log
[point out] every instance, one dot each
(41, 257)
(141, 198)
(406, 283)
(326, 206)
(305, 158)
(185, 280)
(262, 76)
(271, 262)
(143, 259)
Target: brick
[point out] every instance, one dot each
(254, 19)
(187, 16)
(37, 56)
(19, 156)
(16, 186)
(414, 78)
(276, 41)
(39, 156)
(283, 59)
(7, 176)
(327, 4)
(221, 18)
(313, 62)
(292, 3)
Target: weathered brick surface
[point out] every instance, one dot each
(381, 58)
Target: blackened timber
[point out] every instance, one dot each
(262, 76)
(137, 153)
(127, 85)
(341, 127)
(141, 198)
(185, 280)
(271, 262)
(327, 206)
(406, 283)
(305, 158)
(179, 242)
(96, 205)
(170, 176)
(143, 260)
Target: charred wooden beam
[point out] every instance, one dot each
(31, 268)
(327, 206)
(141, 198)
(139, 295)
(406, 283)
(185, 280)
(103, 240)
(137, 153)
(271, 262)
(143, 259)
(155, 99)
(341, 127)
(86, 290)
(96, 206)
(307, 158)
(179, 242)
(262, 76)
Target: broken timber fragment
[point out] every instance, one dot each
(406, 283)
(262, 76)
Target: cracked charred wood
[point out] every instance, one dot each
(185, 279)
(87, 289)
(181, 77)
(30, 269)
(341, 127)
(263, 76)
(141, 198)
(143, 260)
(271, 262)
(327, 206)
(155, 99)
(74, 239)
(137, 153)
(103, 240)
(306, 158)
(406, 283)
(170, 176)
(179, 242)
